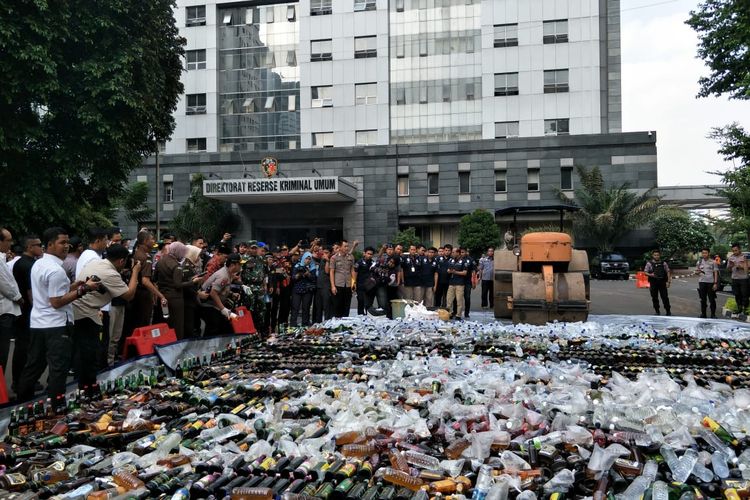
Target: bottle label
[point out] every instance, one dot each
(15, 479)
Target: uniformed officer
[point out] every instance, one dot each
(457, 272)
(708, 282)
(443, 259)
(429, 277)
(659, 279)
(469, 280)
(411, 266)
(254, 277)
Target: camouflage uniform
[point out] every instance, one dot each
(254, 276)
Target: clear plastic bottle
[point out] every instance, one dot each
(456, 448)
(421, 459)
(484, 482)
(660, 491)
(719, 464)
(398, 461)
(400, 478)
(681, 468)
(358, 450)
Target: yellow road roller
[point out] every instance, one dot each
(542, 278)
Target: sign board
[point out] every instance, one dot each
(279, 188)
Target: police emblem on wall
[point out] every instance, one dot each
(269, 166)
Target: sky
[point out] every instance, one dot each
(660, 72)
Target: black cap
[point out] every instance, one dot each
(234, 258)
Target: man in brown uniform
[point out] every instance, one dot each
(341, 274)
(147, 292)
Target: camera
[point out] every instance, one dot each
(100, 287)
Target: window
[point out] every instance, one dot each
(506, 129)
(269, 103)
(247, 105)
(321, 50)
(322, 140)
(269, 15)
(423, 92)
(320, 7)
(506, 84)
(251, 15)
(292, 103)
(433, 182)
(532, 179)
(195, 15)
(196, 145)
(400, 49)
(464, 182)
(291, 58)
(403, 185)
(162, 145)
(506, 35)
(399, 5)
(365, 46)
(555, 80)
(566, 178)
(196, 59)
(360, 5)
(557, 126)
(423, 46)
(366, 137)
(322, 97)
(469, 91)
(400, 95)
(501, 185)
(366, 93)
(228, 17)
(291, 13)
(168, 192)
(196, 104)
(556, 31)
(446, 92)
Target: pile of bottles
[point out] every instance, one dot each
(344, 414)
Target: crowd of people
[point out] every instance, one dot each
(69, 305)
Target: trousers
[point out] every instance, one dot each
(707, 293)
(342, 301)
(116, 323)
(740, 291)
(87, 337)
(47, 347)
(456, 292)
(428, 296)
(658, 288)
(21, 347)
(440, 296)
(301, 303)
(323, 307)
(467, 299)
(488, 293)
(7, 330)
(365, 300)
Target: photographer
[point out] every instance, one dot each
(88, 324)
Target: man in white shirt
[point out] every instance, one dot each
(88, 324)
(51, 318)
(10, 299)
(98, 242)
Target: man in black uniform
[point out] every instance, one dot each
(443, 259)
(363, 285)
(429, 277)
(469, 282)
(411, 265)
(659, 279)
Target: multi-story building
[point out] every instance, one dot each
(431, 108)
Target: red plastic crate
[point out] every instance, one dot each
(145, 338)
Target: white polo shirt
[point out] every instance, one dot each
(87, 256)
(48, 279)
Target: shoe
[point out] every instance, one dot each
(702, 316)
(713, 316)
(669, 313)
(657, 313)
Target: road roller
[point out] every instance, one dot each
(543, 278)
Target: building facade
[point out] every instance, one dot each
(418, 111)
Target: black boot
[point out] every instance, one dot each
(669, 312)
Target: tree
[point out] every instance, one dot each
(203, 216)
(607, 214)
(477, 231)
(88, 90)
(677, 233)
(135, 203)
(407, 237)
(736, 189)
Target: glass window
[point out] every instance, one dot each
(269, 15)
(399, 5)
(322, 96)
(566, 178)
(470, 45)
(195, 15)
(501, 181)
(360, 5)
(400, 95)
(366, 93)
(269, 103)
(400, 48)
(291, 13)
(423, 45)
(322, 140)
(365, 46)
(470, 91)
(532, 179)
(249, 14)
(196, 59)
(555, 81)
(433, 183)
(168, 192)
(291, 58)
(196, 104)
(464, 182)
(196, 145)
(320, 7)
(557, 126)
(292, 104)
(556, 31)
(422, 92)
(506, 129)
(403, 185)
(228, 17)
(247, 105)
(506, 35)
(321, 50)
(366, 137)
(506, 84)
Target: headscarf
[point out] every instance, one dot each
(313, 265)
(193, 254)
(177, 250)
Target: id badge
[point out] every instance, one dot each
(412, 269)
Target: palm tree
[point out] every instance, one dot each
(608, 213)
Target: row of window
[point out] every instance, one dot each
(501, 184)
(554, 126)
(196, 16)
(555, 81)
(506, 35)
(364, 47)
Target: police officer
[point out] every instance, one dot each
(254, 277)
(364, 284)
(659, 279)
(456, 283)
(708, 281)
(443, 259)
(429, 277)
(469, 280)
(411, 266)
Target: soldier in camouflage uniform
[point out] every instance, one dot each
(254, 276)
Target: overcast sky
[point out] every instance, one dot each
(660, 74)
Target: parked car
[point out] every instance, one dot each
(610, 264)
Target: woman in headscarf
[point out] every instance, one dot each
(304, 281)
(172, 285)
(191, 267)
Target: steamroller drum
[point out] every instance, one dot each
(569, 298)
(506, 263)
